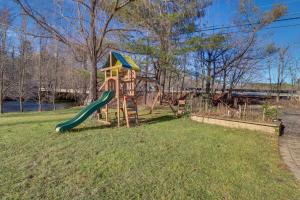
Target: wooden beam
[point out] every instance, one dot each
(118, 97)
(110, 68)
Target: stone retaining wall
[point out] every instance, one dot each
(266, 128)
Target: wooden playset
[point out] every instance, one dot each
(120, 75)
(119, 90)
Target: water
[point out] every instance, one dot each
(13, 106)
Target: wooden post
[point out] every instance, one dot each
(106, 106)
(118, 97)
(106, 86)
(125, 110)
(137, 114)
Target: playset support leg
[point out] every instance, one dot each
(118, 97)
(125, 111)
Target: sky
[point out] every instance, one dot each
(282, 34)
(223, 12)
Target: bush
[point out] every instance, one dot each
(269, 111)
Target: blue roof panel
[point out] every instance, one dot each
(120, 58)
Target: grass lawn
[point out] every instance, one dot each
(163, 158)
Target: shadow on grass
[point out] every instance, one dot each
(99, 127)
(114, 124)
(159, 119)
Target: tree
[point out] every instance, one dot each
(282, 64)
(210, 49)
(230, 54)
(84, 29)
(4, 24)
(39, 75)
(25, 50)
(164, 24)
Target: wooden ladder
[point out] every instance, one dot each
(130, 110)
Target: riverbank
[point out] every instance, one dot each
(13, 106)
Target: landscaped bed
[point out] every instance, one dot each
(163, 158)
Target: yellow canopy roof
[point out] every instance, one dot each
(122, 62)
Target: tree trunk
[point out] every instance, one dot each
(224, 80)
(3, 37)
(1, 80)
(229, 96)
(208, 75)
(169, 82)
(23, 62)
(1, 90)
(146, 82)
(197, 81)
(93, 52)
(202, 79)
(270, 77)
(22, 67)
(177, 85)
(202, 70)
(55, 76)
(213, 77)
(278, 83)
(21, 85)
(93, 79)
(182, 82)
(164, 81)
(40, 78)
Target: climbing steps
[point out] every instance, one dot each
(130, 110)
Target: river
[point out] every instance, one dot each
(13, 106)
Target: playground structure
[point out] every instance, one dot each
(119, 86)
(120, 75)
(119, 90)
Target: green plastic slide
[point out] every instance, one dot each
(105, 98)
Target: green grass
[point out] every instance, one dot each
(163, 158)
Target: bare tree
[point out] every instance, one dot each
(40, 64)
(24, 47)
(280, 70)
(55, 76)
(85, 30)
(4, 23)
(40, 69)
